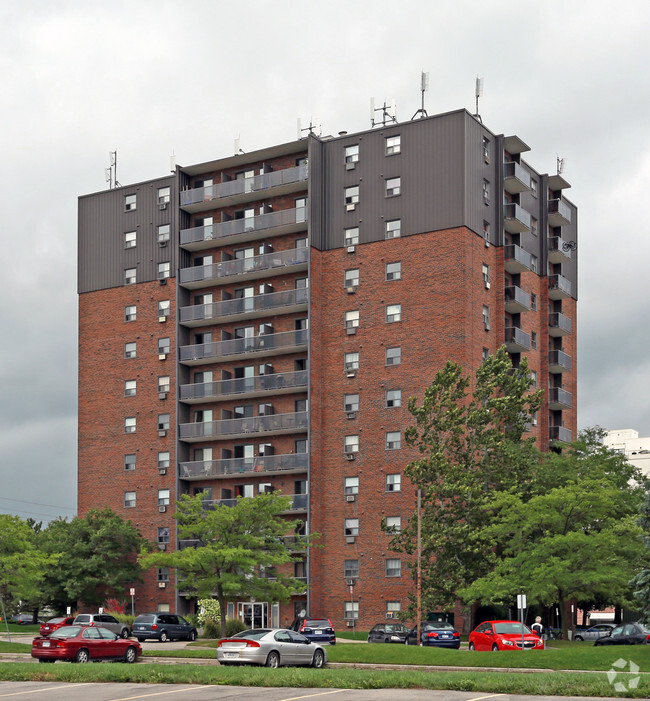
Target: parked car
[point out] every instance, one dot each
(318, 630)
(271, 647)
(388, 633)
(504, 635)
(626, 634)
(594, 632)
(84, 644)
(102, 619)
(24, 619)
(163, 627)
(434, 634)
(55, 623)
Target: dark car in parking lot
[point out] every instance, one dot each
(626, 634)
(24, 619)
(163, 627)
(435, 634)
(318, 630)
(388, 633)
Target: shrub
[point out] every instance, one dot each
(114, 606)
(234, 626)
(211, 629)
(209, 610)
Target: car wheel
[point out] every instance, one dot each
(124, 633)
(163, 637)
(131, 654)
(192, 636)
(495, 648)
(273, 660)
(579, 638)
(319, 659)
(472, 647)
(82, 656)
(386, 640)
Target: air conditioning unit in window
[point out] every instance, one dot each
(391, 614)
(350, 166)
(350, 539)
(162, 244)
(162, 546)
(162, 204)
(162, 585)
(352, 249)
(162, 281)
(350, 207)
(350, 497)
(162, 432)
(534, 422)
(351, 415)
(351, 330)
(162, 395)
(162, 509)
(350, 456)
(162, 356)
(486, 325)
(349, 624)
(162, 470)
(162, 319)
(350, 582)
(351, 289)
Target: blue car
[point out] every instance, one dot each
(318, 630)
(435, 634)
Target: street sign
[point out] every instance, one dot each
(521, 601)
(132, 592)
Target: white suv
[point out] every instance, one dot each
(104, 620)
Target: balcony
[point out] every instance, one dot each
(559, 434)
(240, 387)
(266, 464)
(559, 287)
(558, 324)
(516, 219)
(270, 304)
(299, 502)
(274, 184)
(516, 259)
(236, 231)
(517, 340)
(241, 269)
(516, 300)
(559, 361)
(515, 178)
(248, 427)
(237, 348)
(559, 399)
(559, 213)
(559, 250)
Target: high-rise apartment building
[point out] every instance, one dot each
(258, 322)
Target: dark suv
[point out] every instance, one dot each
(163, 627)
(318, 630)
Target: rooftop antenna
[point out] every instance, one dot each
(561, 163)
(172, 162)
(478, 93)
(314, 128)
(388, 113)
(424, 86)
(238, 150)
(111, 171)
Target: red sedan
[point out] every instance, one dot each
(55, 623)
(504, 635)
(84, 644)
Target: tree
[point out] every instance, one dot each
(641, 582)
(100, 557)
(240, 554)
(469, 433)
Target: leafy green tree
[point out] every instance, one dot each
(641, 582)
(469, 432)
(99, 558)
(241, 550)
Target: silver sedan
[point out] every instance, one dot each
(271, 647)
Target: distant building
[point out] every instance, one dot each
(635, 449)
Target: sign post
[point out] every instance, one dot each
(521, 605)
(132, 592)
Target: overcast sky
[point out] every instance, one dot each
(155, 77)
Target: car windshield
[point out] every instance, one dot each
(56, 620)
(430, 625)
(395, 628)
(145, 618)
(511, 629)
(67, 632)
(83, 618)
(253, 634)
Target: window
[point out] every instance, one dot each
(485, 354)
(130, 239)
(129, 500)
(351, 485)
(301, 209)
(534, 264)
(163, 383)
(351, 610)
(163, 535)
(393, 398)
(533, 340)
(351, 527)
(393, 609)
(130, 276)
(393, 524)
(351, 236)
(533, 378)
(163, 497)
(163, 574)
(163, 422)
(394, 271)
(129, 462)
(352, 444)
(164, 195)
(351, 402)
(352, 278)
(163, 346)
(352, 154)
(486, 275)
(393, 568)
(300, 446)
(486, 317)
(163, 233)
(393, 483)
(130, 350)
(486, 232)
(393, 313)
(352, 319)
(393, 229)
(129, 388)
(393, 145)
(486, 149)
(130, 202)
(533, 226)
(393, 440)
(351, 196)
(393, 187)
(164, 308)
(130, 313)
(533, 187)
(162, 608)
(351, 361)
(486, 191)
(163, 270)
(350, 568)
(129, 424)
(394, 356)
(163, 459)
(533, 301)
(300, 242)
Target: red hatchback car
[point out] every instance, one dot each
(84, 644)
(504, 635)
(55, 623)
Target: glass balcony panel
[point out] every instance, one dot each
(261, 384)
(212, 469)
(559, 213)
(559, 250)
(559, 398)
(516, 300)
(559, 434)
(516, 177)
(233, 428)
(559, 361)
(516, 259)
(299, 502)
(517, 340)
(559, 324)
(516, 219)
(559, 287)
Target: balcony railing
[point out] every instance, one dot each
(559, 213)
(245, 268)
(249, 426)
(515, 178)
(559, 361)
(268, 464)
(516, 300)
(559, 398)
(246, 229)
(559, 250)
(242, 186)
(516, 259)
(558, 324)
(517, 340)
(278, 383)
(559, 287)
(299, 502)
(235, 348)
(559, 434)
(516, 219)
(270, 304)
